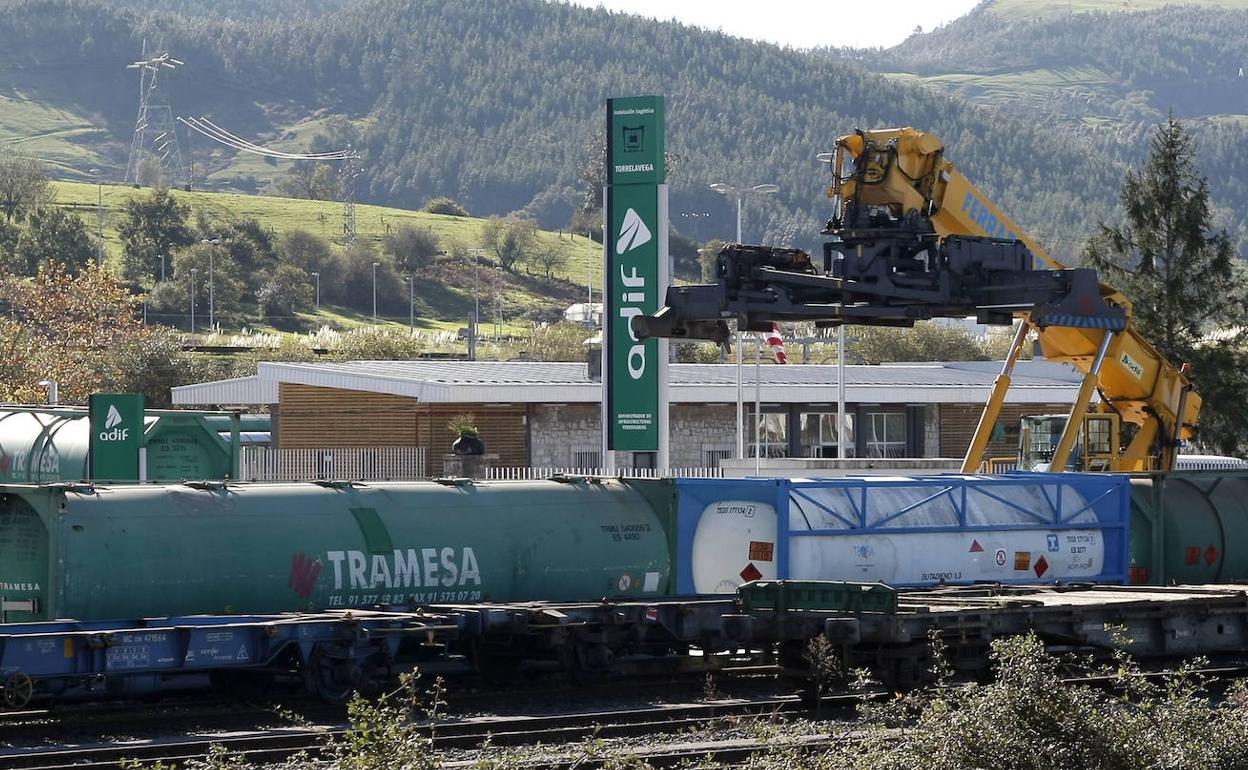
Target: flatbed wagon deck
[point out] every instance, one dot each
(867, 624)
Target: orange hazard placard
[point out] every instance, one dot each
(1022, 560)
(761, 551)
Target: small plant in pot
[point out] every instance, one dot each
(469, 441)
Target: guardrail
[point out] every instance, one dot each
(356, 463)
(525, 473)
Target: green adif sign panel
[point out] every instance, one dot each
(116, 435)
(634, 249)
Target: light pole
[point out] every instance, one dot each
(212, 308)
(193, 272)
(740, 193)
(162, 267)
(99, 215)
(842, 427)
(375, 264)
(317, 276)
(411, 302)
(476, 304)
(51, 386)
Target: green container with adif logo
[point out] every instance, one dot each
(46, 444)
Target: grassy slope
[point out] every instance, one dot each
(1017, 9)
(1041, 87)
(325, 218)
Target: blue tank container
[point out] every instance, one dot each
(904, 531)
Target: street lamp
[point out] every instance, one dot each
(476, 304)
(162, 267)
(740, 193)
(842, 428)
(99, 215)
(51, 386)
(193, 272)
(212, 309)
(317, 276)
(375, 264)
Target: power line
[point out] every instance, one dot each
(350, 171)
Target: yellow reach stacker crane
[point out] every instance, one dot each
(913, 239)
(905, 170)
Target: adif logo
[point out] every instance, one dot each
(633, 233)
(111, 432)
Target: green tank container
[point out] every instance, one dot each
(1189, 527)
(124, 551)
(40, 445)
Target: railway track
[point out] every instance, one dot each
(277, 744)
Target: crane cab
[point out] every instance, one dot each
(1096, 444)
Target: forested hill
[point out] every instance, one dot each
(497, 102)
(1105, 78)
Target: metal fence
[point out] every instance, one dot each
(524, 472)
(356, 463)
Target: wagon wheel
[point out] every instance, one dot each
(19, 688)
(333, 678)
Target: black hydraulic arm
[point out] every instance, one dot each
(890, 276)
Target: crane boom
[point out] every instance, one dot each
(904, 170)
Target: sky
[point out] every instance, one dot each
(801, 23)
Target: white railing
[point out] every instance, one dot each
(524, 473)
(354, 463)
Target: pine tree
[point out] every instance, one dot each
(1187, 290)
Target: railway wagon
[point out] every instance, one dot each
(39, 445)
(106, 552)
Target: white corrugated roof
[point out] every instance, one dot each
(240, 390)
(541, 382)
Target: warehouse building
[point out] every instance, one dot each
(534, 414)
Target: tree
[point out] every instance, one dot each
(82, 331)
(412, 249)
(926, 341)
(284, 291)
(548, 258)
(707, 258)
(154, 225)
(511, 240)
(309, 179)
(24, 186)
(305, 250)
(53, 235)
(1187, 292)
(219, 282)
(353, 281)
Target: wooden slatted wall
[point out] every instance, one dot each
(958, 421)
(503, 430)
(314, 417)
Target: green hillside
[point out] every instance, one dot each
(1103, 74)
(1022, 9)
(498, 104)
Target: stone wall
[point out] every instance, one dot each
(558, 432)
(931, 431)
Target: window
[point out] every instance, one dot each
(886, 434)
(819, 434)
(773, 438)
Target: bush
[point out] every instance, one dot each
(446, 206)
